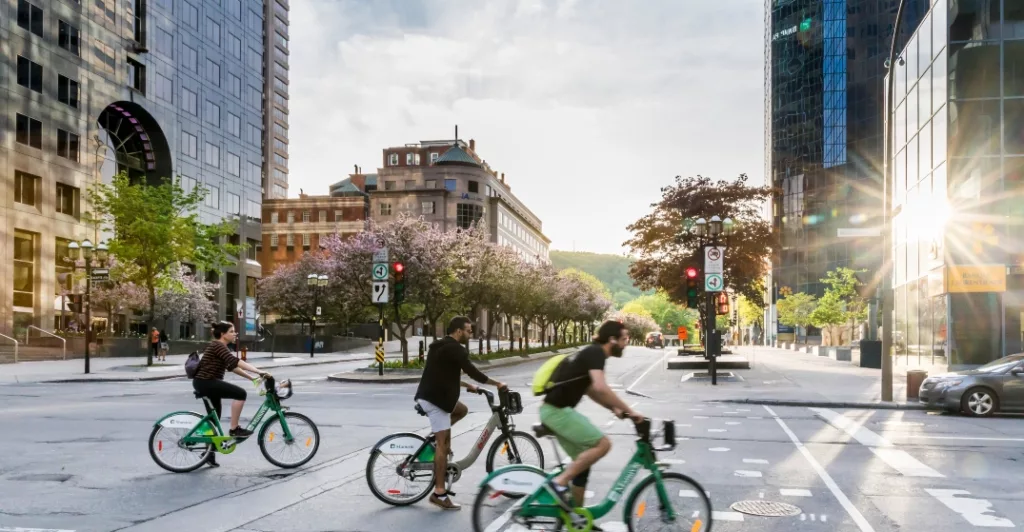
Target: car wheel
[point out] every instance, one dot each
(979, 402)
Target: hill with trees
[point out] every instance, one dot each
(612, 270)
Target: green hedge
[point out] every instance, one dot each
(414, 362)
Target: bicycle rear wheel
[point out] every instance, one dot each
(168, 452)
(390, 472)
(495, 505)
(689, 502)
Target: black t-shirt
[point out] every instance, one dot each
(575, 369)
(440, 383)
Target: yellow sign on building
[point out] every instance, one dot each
(964, 279)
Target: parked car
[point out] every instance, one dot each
(655, 339)
(995, 387)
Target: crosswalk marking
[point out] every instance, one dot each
(755, 461)
(747, 474)
(882, 448)
(691, 494)
(726, 516)
(794, 492)
(975, 511)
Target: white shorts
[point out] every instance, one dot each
(439, 419)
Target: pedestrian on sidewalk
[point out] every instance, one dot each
(154, 342)
(164, 345)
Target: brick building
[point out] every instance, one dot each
(293, 227)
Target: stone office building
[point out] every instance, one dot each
(156, 88)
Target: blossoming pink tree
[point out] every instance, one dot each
(182, 296)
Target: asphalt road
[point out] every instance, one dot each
(75, 457)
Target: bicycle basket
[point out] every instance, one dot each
(668, 428)
(513, 402)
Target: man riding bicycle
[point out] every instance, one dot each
(576, 376)
(438, 397)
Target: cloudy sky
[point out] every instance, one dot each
(588, 106)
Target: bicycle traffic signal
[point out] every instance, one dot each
(692, 289)
(399, 270)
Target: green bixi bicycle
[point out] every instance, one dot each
(518, 496)
(193, 437)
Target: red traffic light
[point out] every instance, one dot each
(691, 272)
(399, 267)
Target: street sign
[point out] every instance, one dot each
(318, 311)
(380, 255)
(380, 292)
(713, 282)
(379, 353)
(682, 333)
(380, 272)
(714, 259)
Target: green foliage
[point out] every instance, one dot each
(611, 270)
(841, 304)
(668, 315)
(796, 309)
(750, 311)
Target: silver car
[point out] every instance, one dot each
(994, 387)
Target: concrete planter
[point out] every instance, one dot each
(821, 351)
(809, 350)
(842, 354)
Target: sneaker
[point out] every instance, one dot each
(563, 494)
(212, 462)
(444, 502)
(239, 432)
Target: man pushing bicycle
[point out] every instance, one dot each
(578, 375)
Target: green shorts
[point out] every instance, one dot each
(574, 431)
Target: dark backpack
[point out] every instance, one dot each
(192, 364)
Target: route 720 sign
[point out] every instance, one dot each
(713, 282)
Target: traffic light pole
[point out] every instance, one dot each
(711, 343)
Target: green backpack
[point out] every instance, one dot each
(542, 383)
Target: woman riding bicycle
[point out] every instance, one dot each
(209, 380)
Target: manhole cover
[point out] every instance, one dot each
(765, 508)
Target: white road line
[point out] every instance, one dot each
(755, 461)
(644, 374)
(747, 474)
(719, 449)
(700, 417)
(696, 409)
(732, 422)
(882, 448)
(754, 417)
(716, 430)
(686, 377)
(852, 510)
(726, 516)
(973, 510)
(692, 494)
(794, 492)
(974, 438)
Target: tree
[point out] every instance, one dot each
(637, 324)
(841, 304)
(667, 314)
(666, 247)
(183, 297)
(155, 226)
(118, 293)
(795, 310)
(751, 311)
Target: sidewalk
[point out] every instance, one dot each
(788, 378)
(131, 369)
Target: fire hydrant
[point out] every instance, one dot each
(244, 351)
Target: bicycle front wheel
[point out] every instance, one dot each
(527, 451)
(500, 498)
(690, 506)
(168, 452)
(288, 454)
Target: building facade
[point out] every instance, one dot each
(958, 167)
(824, 72)
(275, 87)
(155, 88)
(296, 226)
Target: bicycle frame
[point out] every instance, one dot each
(425, 453)
(200, 431)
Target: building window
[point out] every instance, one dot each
(280, 192)
(474, 187)
(24, 269)
(282, 41)
(62, 270)
(189, 102)
(255, 135)
(190, 59)
(106, 58)
(212, 197)
(489, 191)
(385, 209)
(273, 241)
(189, 145)
(25, 188)
(279, 145)
(67, 145)
(232, 203)
(213, 72)
(433, 157)
(412, 159)
(212, 113)
(235, 8)
(255, 173)
(234, 164)
(164, 88)
(29, 131)
(235, 85)
(280, 116)
(430, 183)
(279, 84)
(280, 175)
(389, 185)
(30, 74)
(305, 240)
(191, 16)
(136, 75)
(290, 240)
(291, 217)
(280, 160)
(410, 184)
(165, 42)
(323, 216)
(213, 31)
(68, 37)
(234, 125)
(274, 217)
(67, 91)
(393, 159)
(235, 46)
(211, 155)
(253, 210)
(305, 217)
(30, 17)
(187, 184)
(449, 185)
(466, 214)
(254, 59)
(280, 130)
(427, 207)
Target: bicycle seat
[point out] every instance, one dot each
(542, 430)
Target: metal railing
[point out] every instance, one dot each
(15, 346)
(63, 341)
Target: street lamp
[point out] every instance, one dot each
(86, 252)
(710, 233)
(316, 282)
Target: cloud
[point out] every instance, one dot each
(588, 106)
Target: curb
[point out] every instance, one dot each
(825, 404)
(514, 360)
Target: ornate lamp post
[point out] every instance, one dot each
(86, 252)
(316, 282)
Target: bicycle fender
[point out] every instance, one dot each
(401, 443)
(517, 479)
(182, 419)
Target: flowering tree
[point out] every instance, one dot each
(287, 294)
(638, 324)
(183, 297)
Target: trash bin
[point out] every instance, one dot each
(914, 379)
(871, 354)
